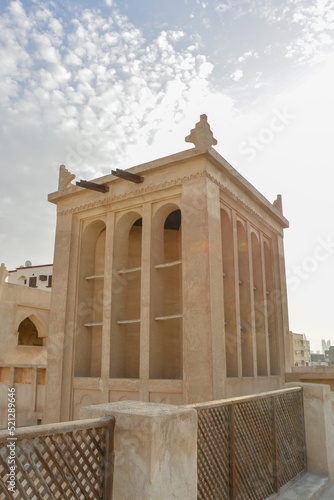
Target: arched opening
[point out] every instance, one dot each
(166, 350)
(261, 341)
(231, 342)
(245, 303)
(28, 333)
(125, 313)
(88, 346)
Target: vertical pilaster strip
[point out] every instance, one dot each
(107, 298)
(237, 293)
(12, 376)
(145, 300)
(251, 298)
(33, 390)
(216, 291)
(56, 343)
(265, 306)
(282, 306)
(70, 322)
(198, 384)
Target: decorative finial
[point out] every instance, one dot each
(65, 178)
(3, 274)
(278, 203)
(201, 135)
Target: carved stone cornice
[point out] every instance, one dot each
(244, 205)
(165, 185)
(136, 192)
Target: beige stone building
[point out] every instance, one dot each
(24, 313)
(168, 285)
(300, 350)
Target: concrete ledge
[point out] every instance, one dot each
(310, 487)
(155, 448)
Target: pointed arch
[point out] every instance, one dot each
(37, 319)
(28, 332)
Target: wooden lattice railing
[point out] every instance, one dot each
(72, 460)
(249, 447)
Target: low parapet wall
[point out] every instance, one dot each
(312, 375)
(319, 428)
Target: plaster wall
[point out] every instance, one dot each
(22, 366)
(16, 304)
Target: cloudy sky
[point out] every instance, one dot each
(113, 83)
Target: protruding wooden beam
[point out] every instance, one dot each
(123, 174)
(92, 185)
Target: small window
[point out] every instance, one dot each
(50, 281)
(43, 277)
(33, 282)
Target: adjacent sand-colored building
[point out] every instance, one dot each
(168, 285)
(24, 313)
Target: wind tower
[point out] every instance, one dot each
(168, 285)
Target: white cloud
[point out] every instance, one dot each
(221, 8)
(237, 75)
(247, 55)
(95, 81)
(311, 21)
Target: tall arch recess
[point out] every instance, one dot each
(271, 310)
(166, 345)
(88, 345)
(231, 343)
(244, 297)
(125, 311)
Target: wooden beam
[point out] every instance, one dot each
(123, 174)
(92, 185)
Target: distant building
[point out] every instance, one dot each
(300, 350)
(325, 345)
(331, 355)
(32, 276)
(318, 359)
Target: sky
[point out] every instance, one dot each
(105, 84)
